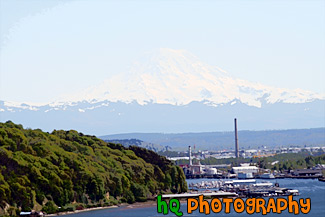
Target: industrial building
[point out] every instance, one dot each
(245, 169)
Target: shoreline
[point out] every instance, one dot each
(82, 210)
(123, 206)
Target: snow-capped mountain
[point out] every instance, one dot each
(172, 91)
(177, 77)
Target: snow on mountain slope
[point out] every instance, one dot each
(173, 77)
(177, 77)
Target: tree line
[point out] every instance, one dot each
(40, 170)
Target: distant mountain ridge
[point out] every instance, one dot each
(136, 142)
(113, 118)
(221, 140)
(172, 91)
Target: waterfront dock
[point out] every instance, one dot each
(245, 188)
(218, 176)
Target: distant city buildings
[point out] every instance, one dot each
(245, 170)
(248, 153)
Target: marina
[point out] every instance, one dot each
(244, 188)
(308, 188)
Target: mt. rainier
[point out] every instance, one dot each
(177, 77)
(172, 91)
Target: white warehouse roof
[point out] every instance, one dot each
(246, 168)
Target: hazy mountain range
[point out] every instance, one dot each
(226, 140)
(139, 143)
(172, 91)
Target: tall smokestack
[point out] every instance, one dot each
(190, 155)
(236, 140)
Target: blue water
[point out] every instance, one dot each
(308, 188)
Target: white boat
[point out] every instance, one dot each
(292, 192)
(264, 184)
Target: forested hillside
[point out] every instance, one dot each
(58, 168)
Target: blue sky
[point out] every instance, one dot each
(49, 48)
